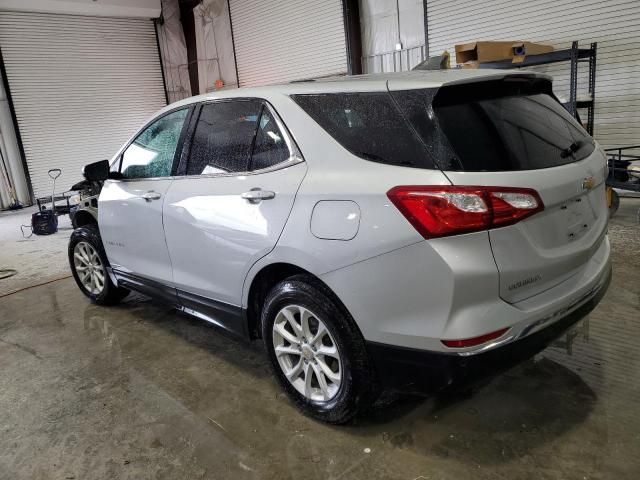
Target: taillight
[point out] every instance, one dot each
(440, 211)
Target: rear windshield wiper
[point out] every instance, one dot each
(573, 148)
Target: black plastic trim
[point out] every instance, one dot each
(183, 161)
(231, 318)
(422, 372)
(148, 287)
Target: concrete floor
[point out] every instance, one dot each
(138, 391)
(36, 259)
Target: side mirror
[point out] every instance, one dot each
(97, 171)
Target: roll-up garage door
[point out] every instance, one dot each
(278, 41)
(80, 86)
(614, 25)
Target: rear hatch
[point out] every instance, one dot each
(513, 133)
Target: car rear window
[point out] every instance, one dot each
(369, 125)
(505, 125)
(496, 126)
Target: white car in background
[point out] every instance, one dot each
(405, 231)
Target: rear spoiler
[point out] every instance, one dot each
(493, 87)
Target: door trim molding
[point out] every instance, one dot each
(231, 318)
(147, 286)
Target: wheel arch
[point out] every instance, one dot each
(83, 218)
(264, 280)
(259, 287)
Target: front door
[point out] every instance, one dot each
(243, 171)
(130, 208)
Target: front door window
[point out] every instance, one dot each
(152, 153)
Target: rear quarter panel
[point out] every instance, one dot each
(335, 174)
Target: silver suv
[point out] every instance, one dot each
(406, 231)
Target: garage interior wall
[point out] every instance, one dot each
(279, 41)
(384, 25)
(615, 25)
(80, 87)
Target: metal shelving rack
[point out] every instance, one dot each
(575, 55)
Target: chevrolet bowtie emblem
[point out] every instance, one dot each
(587, 183)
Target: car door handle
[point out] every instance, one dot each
(256, 195)
(150, 195)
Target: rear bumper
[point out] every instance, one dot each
(422, 371)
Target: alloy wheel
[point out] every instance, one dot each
(89, 267)
(307, 353)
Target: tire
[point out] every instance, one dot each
(615, 203)
(355, 389)
(87, 244)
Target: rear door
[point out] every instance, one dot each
(515, 134)
(130, 209)
(242, 174)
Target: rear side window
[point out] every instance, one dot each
(270, 147)
(223, 137)
(369, 125)
(495, 126)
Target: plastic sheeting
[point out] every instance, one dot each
(174, 52)
(384, 25)
(214, 45)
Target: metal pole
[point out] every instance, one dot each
(398, 13)
(592, 88)
(573, 81)
(426, 31)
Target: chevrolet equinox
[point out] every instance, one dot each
(403, 231)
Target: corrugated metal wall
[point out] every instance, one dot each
(80, 87)
(278, 41)
(614, 24)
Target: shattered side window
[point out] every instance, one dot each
(270, 147)
(417, 105)
(223, 137)
(151, 154)
(369, 125)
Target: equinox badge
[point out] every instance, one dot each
(525, 282)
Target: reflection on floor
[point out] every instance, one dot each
(139, 391)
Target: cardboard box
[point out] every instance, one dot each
(472, 54)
